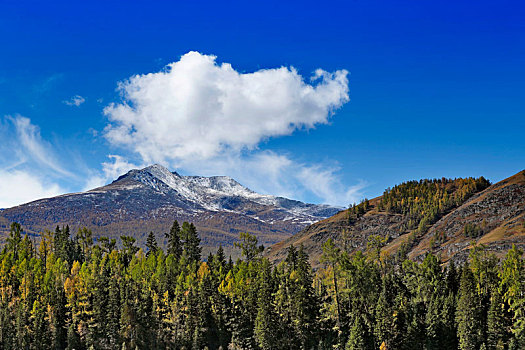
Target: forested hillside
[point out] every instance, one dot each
(441, 216)
(71, 293)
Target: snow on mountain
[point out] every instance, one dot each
(217, 193)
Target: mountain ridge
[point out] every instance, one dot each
(149, 199)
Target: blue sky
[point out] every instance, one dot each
(435, 89)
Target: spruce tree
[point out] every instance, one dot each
(266, 323)
(220, 258)
(151, 244)
(191, 242)
(14, 239)
(497, 325)
(468, 315)
(304, 303)
(174, 240)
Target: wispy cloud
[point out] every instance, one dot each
(34, 147)
(30, 169)
(76, 101)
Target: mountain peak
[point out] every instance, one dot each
(160, 171)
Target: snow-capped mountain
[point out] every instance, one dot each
(150, 199)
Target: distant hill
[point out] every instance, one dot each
(442, 216)
(150, 199)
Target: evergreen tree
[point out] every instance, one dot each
(129, 249)
(357, 338)
(512, 287)
(448, 316)
(107, 245)
(14, 239)
(248, 246)
(331, 255)
(62, 245)
(151, 244)
(266, 323)
(497, 324)
(191, 242)
(174, 240)
(85, 239)
(469, 315)
(220, 258)
(304, 303)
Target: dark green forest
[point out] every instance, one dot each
(70, 292)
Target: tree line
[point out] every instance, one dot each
(71, 292)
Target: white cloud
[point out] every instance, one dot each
(110, 171)
(208, 119)
(325, 183)
(76, 101)
(197, 108)
(29, 168)
(18, 187)
(31, 145)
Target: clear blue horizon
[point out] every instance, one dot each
(433, 90)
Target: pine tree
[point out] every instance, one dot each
(248, 246)
(220, 258)
(113, 312)
(357, 338)
(452, 278)
(151, 244)
(266, 329)
(85, 240)
(389, 314)
(448, 316)
(174, 240)
(62, 244)
(497, 324)
(14, 239)
(191, 242)
(468, 316)
(331, 255)
(304, 303)
(73, 339)
(291, 257)
(128, 249)
(107, 245)
(512, 286)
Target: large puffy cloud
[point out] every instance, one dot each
(208, 119)
(197, 108)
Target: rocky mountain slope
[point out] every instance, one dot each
(150, 199)
(494, 217)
